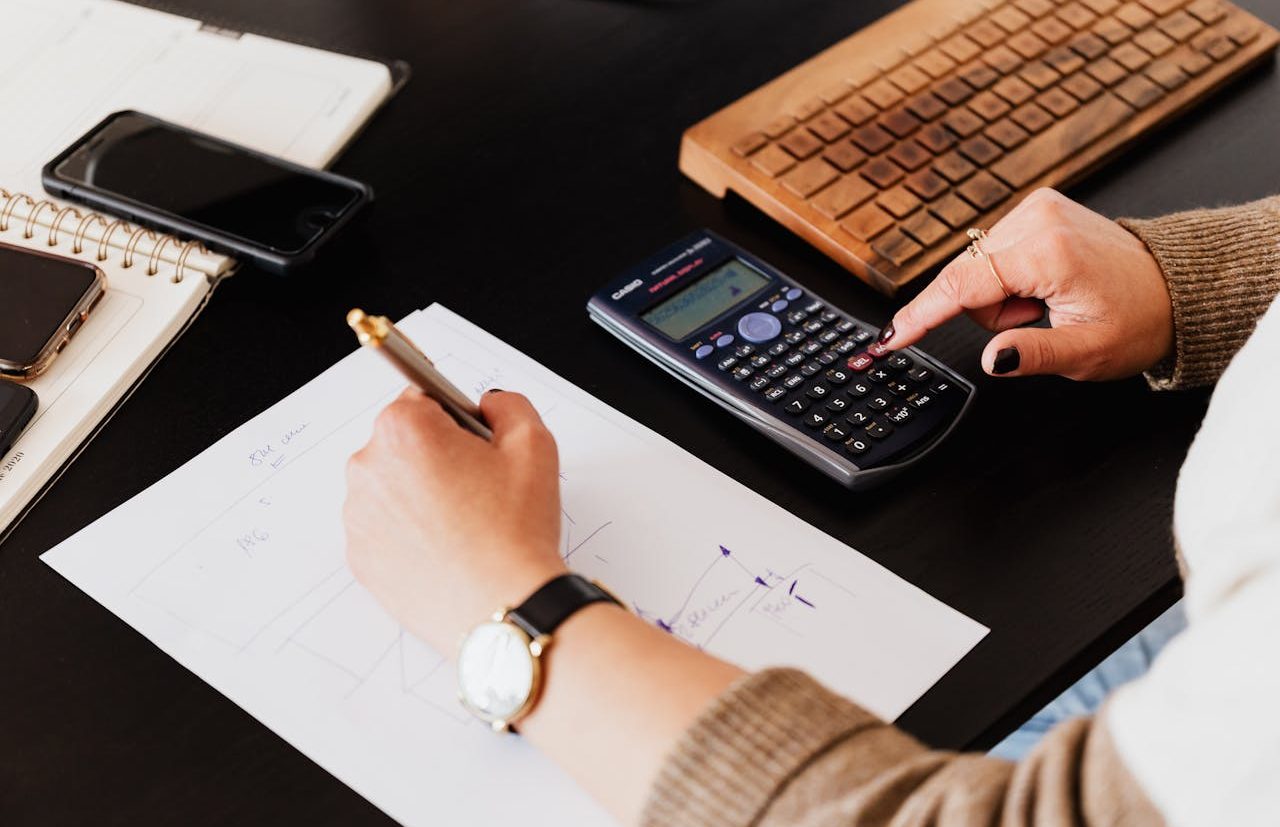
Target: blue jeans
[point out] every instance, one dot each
(1130, 661)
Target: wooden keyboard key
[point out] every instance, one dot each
(1089, 46)
(898, 202)
(772, 161)
(779, 126)
(1130, 57)
(989, 106)
(1101, 7)
(986, 33)
(927, 106)
(909, 79)
(979, 75)
(1061, 141)
(829, 127)
(1207, 12)
(953, 211)
(872, 138)
(910, 155)
(867, 222)
(1015, 90)
(961, 49)
(1003, 59)
(1218, 46)
(1058, 102)
(1083, 87)
(954, 167)
(1112, 31)
(980, 150)
(749, 144)
(1028, 44)
(1007, 134)
(1167, 74)
(1134, 16)
(883, 94)
(1139, 92)
(1035, 8)
(900, 122)
(1106, 71)
(1162, 7)
(925, 229)
(927, 184)
(1180, 26)
(801, 143)
(1052, 31)
(936, 138)
(837, 200)
(857, 110)
(809, 177)
(1154, 42)
(1010, 19)
(1076, 16)
(1064, 61)
(1040, 75)
(1194, 63)
(935, 64)
(1241, 31)
(896, 247)
(844, 156)
(953, 91)
(983, 191)
(1032, 117)
(882, 172)
(963, 122)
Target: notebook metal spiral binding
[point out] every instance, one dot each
(159, 242)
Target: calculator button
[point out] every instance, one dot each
(794, 359)
(810, 348)
(900, 361)
(797, 316)
(760, 361)
(795, 337)
(828, 317)
(812, 326)
(793, 381)
(828, 337)
(759, 327)
(879, 402)
(742, 373)
(811, 369)
(776, 371)
(838, 404)
(862, 336)
(744, 351)
(899, 415)
(818, 391)
(920, 374)
(877, 350)
(877, 430)
(780, 305)
(704, 351)
(858, 389)
(774, 394)
(879, 375)
(778, 349)
(921, 400)
(814, 307)
(845, 346)
(797, 406)
(828, 358)
(899, 388)
(858, 418)
(861, 362)
(759, 383)
(940, 388)
(845, 326)
(838, 377)
(794, 294)
(725, 340)
(816, 419)
(835, 432)
(857, 446)
(727, 362)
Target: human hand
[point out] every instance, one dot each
(1106, 297)
(445, 528)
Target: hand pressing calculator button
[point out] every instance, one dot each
(803, 373)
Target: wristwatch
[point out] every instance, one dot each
(500, 672)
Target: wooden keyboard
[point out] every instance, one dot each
(884, 149)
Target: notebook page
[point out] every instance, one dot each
(67, 64)
(234, 566)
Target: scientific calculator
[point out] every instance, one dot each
(783, 360)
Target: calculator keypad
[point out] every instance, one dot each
(826, 374)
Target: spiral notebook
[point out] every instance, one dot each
(66, 65)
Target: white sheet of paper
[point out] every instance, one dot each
(234, 566)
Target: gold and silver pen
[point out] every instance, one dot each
(380, 334)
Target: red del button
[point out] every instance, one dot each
(861, 362)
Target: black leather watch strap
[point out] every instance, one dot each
(552, 604)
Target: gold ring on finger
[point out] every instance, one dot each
(975, 250)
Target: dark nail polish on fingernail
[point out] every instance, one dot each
(887, 333)
(494, 390)
(1007, 361)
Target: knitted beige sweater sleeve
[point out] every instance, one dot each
(779, 749)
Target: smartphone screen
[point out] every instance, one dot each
(207, 182)
(37, 294)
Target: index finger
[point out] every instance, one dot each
(964, 284)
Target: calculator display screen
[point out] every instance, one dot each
(707, 298)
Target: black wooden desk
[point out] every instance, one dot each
(530, 158)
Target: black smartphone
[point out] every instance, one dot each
(17, 406)
(44, 299)
(236, 200)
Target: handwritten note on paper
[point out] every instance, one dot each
(234, 566)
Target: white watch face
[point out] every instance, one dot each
(495, 671)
